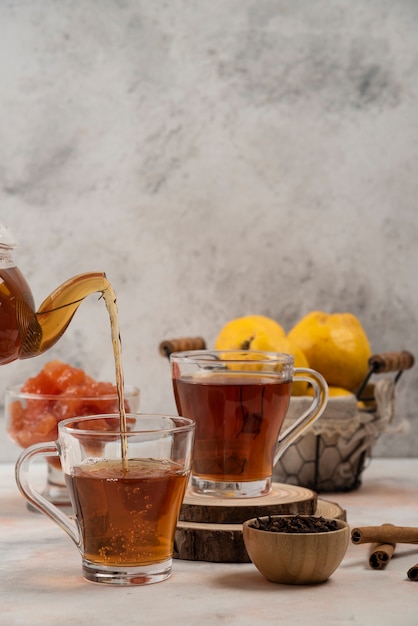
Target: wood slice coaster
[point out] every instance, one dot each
(332, 510)
(282, 500)
(224, 543)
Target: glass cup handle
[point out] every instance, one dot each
(36, 499)
(310, 416)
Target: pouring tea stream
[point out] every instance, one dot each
(26, 333)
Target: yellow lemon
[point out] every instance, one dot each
(256, 332)
(244, 364)
(240, 333)
(335, 345)
(334, 392)
(285, 345)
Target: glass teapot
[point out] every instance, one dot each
(24, 332)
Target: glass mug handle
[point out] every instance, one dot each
(310, 416)
(36, 499)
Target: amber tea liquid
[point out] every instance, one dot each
(110, 300)
(127, 516)
(13, 287)
(79, 291)
(238, 419)
(17, 309)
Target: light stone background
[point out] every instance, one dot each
(215, 158)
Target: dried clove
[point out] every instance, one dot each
(295, 524)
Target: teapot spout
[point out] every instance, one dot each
(41, 330)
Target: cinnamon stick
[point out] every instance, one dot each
(386, 533)
(380, 554)
(413, 572)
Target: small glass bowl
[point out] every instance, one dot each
(33, 418)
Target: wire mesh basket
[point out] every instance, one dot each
(333, 454)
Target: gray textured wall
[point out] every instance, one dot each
(215, 159)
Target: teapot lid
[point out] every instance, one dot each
(6, 239)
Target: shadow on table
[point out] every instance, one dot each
(255, 582)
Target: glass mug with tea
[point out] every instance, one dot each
(126, 491)
(238, 400)
(33, 418)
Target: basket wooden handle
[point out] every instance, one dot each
(391, 362)
(181, 345)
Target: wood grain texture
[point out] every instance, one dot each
(223, 542)
(282, 500)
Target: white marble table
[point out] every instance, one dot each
(41, 584)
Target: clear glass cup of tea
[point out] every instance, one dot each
(239, 400)
(34, 417)
(126, 490)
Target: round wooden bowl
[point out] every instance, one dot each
(296, 558)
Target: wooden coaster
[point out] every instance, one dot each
(331, 510)
(223, 542)
(282, 500)
(216, 543)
